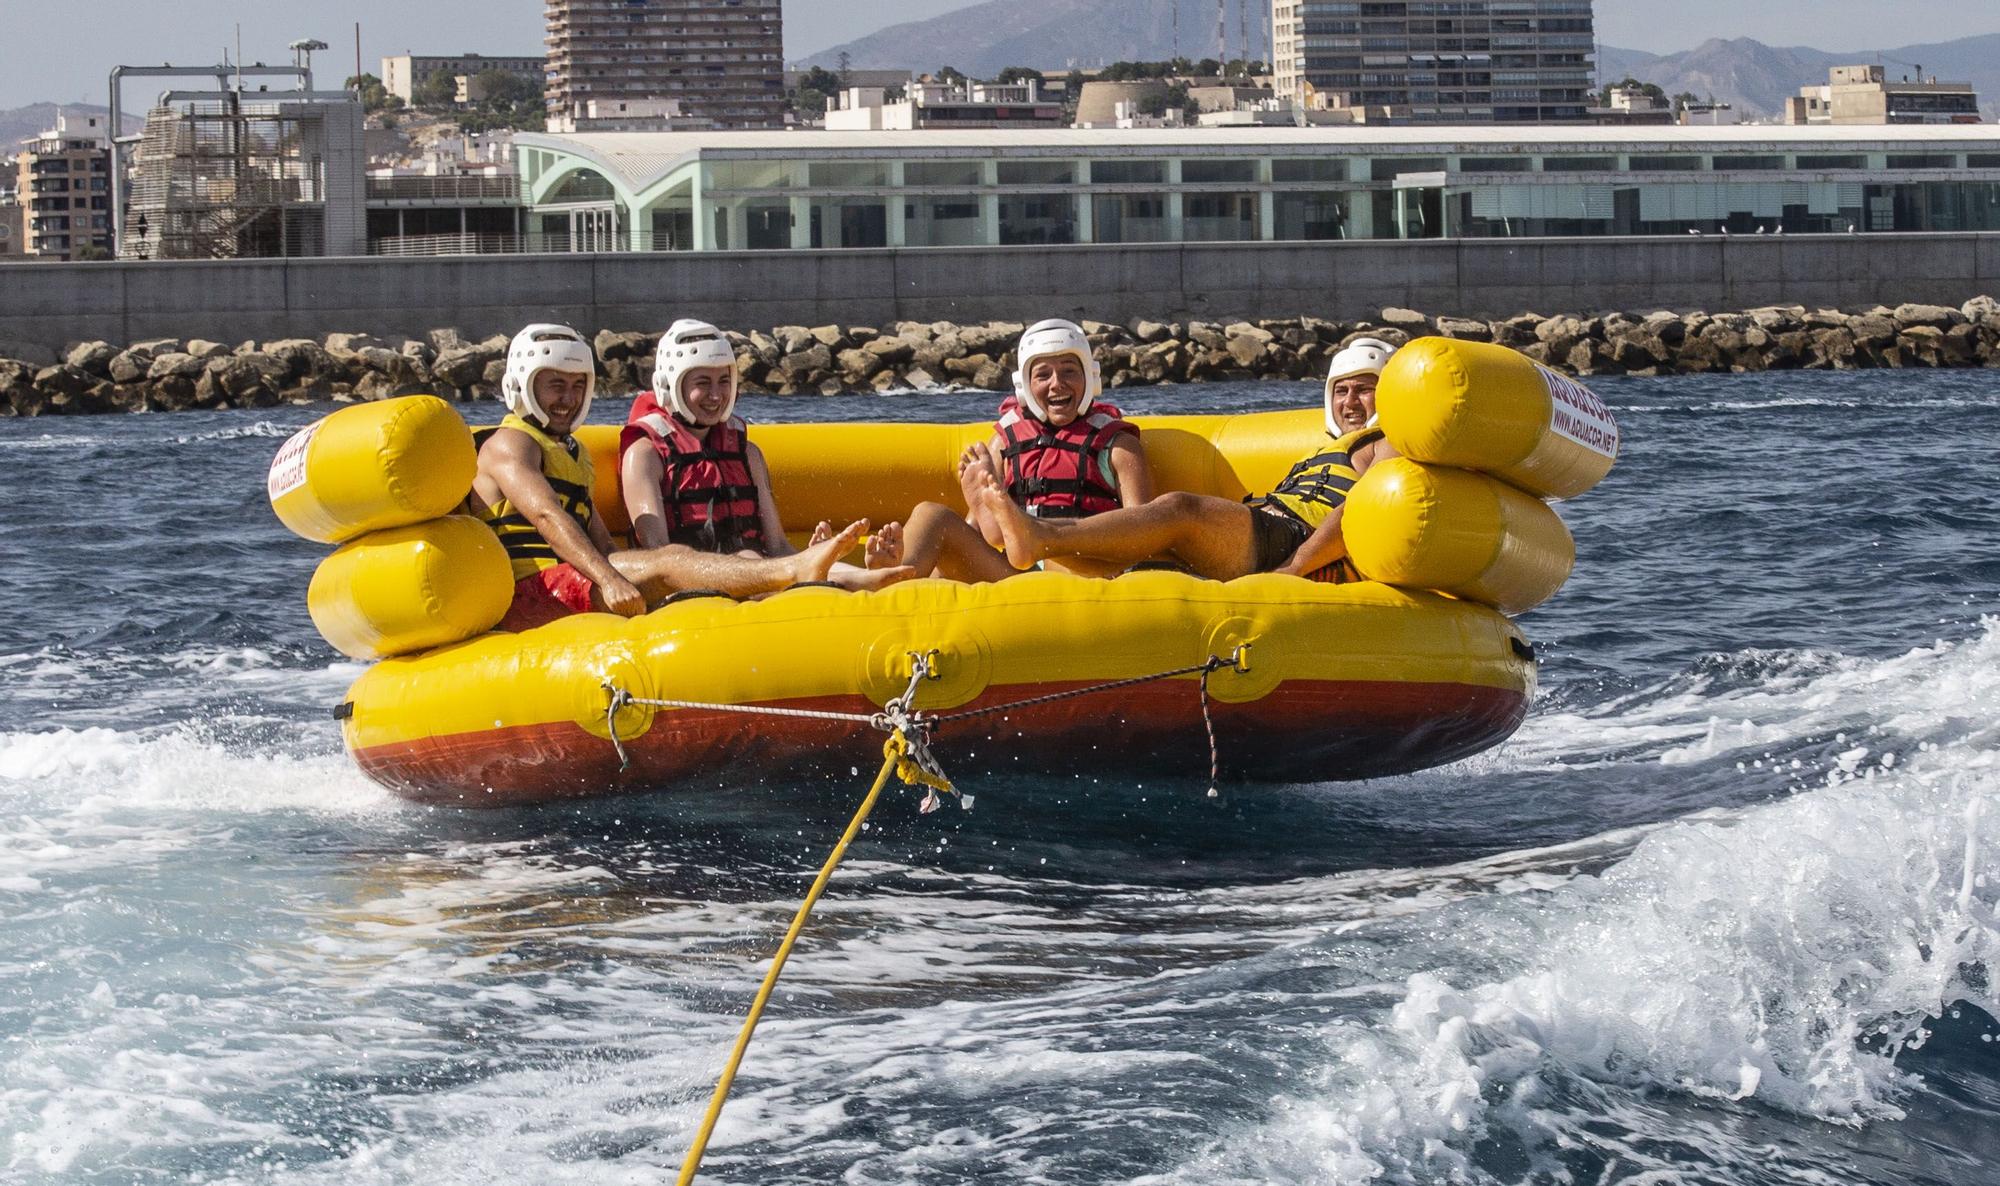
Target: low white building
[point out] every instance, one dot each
(1002, 186)
(938, 105)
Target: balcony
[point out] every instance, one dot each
(445, 190)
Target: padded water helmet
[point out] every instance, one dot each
(1362, 356)
(688, 344)
(545, 347)
(1046, 339)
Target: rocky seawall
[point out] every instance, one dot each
(172, 375)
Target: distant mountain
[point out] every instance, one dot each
(1053, 34)
(1050, 34)
(1756, 78)
(21, 123)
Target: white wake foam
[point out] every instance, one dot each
(1786, 952)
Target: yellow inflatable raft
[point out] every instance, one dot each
(1416, 666)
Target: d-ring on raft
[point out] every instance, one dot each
(1416, 666)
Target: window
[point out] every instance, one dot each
(1923, 160)
(1128, 172)
(1386, 168)
(1666, 164)
(1037, 173)
(1311, 169)
(953, 174)
(1212, 172)
(1579, 164)
(1734, 163)
(848, 174)
(1494, 164)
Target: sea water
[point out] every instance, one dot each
(1724, 911)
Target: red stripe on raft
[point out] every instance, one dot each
(1305, 731)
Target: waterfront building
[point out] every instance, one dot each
(404, 73)
(926, 105)
(457, 197)
(707, 191)
(63, 178)
(1631, 106)
(13, 227)
(1454, 62)
(229, 173)
(722, 60)
(886, 79)
(1865, 95)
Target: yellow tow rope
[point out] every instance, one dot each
(896, 760)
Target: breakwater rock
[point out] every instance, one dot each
(170, 374)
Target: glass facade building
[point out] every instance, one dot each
(1439, 61)
(776, 191)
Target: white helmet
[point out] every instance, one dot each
(1362, 356)
(1045, 339)
(688, 344)
(545, 347)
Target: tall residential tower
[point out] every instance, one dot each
(1438, 61)
(722, 62)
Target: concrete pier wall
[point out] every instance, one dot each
(229, 301)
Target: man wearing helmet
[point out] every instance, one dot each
(533, 488)
(1058, 451)
(689, 472)
(1295, 529)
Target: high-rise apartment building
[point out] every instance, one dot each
(1438, 61)
(64, 181)
(722, 60)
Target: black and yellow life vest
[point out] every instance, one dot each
(567, 467)
(1318, 484)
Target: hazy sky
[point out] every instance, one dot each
(68, 60)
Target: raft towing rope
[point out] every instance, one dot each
(899, 718)
(906, 754)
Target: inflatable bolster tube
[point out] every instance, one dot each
(1417, 526)
(373, 466)
(1479, 406)
(412, 588)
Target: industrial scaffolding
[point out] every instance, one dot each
(239, 174)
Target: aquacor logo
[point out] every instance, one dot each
(1576, 414)
(288, 468)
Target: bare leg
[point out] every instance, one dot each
(660, 572)
(860, 580)
(937, 538)
(971, 463)
(1212, 536)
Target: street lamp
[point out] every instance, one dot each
(302, 55)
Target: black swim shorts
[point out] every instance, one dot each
(1277, 536)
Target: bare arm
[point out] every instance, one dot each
(639, 475)
(1326, 544)
(1135, 477)
(775, 542)
(513, 462)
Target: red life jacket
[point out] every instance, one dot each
(1056, 473)
(710, 497)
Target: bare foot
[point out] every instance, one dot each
(816, 561)
(861, 580)
(974, 462)
(884, 548)
(1019, 536)
(822, 532)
